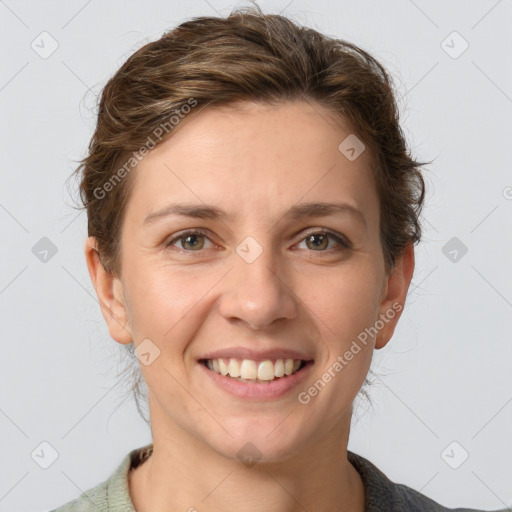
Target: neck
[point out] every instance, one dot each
(184, 474)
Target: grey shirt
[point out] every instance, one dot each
(381, 494)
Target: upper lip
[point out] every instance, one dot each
(256, 355)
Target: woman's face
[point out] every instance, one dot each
(260, 284)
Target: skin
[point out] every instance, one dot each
(256, 162)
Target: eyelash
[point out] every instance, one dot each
(343, 243)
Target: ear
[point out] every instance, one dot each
(109, 290)
(394, 294)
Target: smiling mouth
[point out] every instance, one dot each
(248, 370)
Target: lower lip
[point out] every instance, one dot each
(276, 388)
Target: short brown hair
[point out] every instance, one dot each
(248, 56)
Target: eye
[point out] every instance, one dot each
(319, 240)
(192, 238)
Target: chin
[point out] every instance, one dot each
(262, 441)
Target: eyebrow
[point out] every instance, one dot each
(299, 211)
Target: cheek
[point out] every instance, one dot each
(165, 304)
(345, 302)
(343, 307)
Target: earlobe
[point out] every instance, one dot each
(394, 295)
(109, 291)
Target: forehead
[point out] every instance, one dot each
(254, 159)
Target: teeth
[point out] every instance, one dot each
(279, 368)
(223, 367)
(234, 368)
(266, 370)
(247, 369)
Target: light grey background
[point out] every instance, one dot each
(444, 377)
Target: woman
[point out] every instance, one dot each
(252, 212)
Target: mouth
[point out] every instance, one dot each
(254, 371)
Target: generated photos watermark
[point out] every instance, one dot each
(151, 142)
(341, 361)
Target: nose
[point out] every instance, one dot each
(256, 293)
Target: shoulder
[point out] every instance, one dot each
(113, 493)
(95, 499)
(382, 494)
